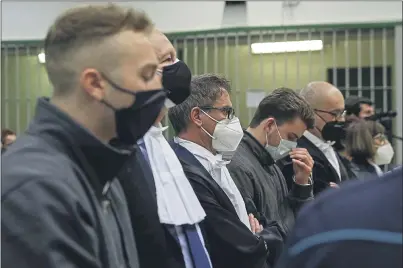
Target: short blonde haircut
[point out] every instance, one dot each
(87, 26)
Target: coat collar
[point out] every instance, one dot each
(101, 162)
(257, 149)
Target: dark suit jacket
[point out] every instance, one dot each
(323, 172)
(363, 169)
(156, 246)
(230, 242)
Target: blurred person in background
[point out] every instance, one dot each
(328, 105)
(62, 205)
(335, 132)
(363, 108)
(359, 225)
(280, 120)
(360, 107)
(367, 147)
(7, 138)
(164, 209)
(208, 133)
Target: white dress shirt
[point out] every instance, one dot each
(327, 150)
(218, 170)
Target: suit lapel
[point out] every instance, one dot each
(194, 167)
(191, 161)
(316, 153)
(343, 171)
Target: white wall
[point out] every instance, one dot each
(318, 12)
(30, 20)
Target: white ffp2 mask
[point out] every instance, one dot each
(226, 137)
(282, 149)
(384, 155)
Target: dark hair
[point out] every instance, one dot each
(4, 133)
(205, 90)
(284, 105)
(359, 140)
(353, 104)
(81, 27)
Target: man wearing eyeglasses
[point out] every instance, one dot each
(208, 134)
(328, 104)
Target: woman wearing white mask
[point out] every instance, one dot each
(368, 148)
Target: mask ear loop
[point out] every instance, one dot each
(322, 120)
(205, 131)
(267, 140)
(209, 116)
(278, 131)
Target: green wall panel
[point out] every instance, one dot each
(24, 79)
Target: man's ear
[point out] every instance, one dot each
(195, 116)
(269, 123)
(93, 84)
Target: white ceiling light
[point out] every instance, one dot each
(283, 47)
(41, 58)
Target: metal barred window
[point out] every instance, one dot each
(358, 59)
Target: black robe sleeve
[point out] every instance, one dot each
(231, 243)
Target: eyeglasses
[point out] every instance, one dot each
(229, 112)
(335, 114)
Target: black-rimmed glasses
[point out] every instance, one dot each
(228, 111)
(335, 114)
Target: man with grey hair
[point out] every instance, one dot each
(208, 134)
(328, 104)
(164, 209)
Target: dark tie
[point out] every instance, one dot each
(199, 256)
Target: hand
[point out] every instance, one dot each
(302, 164)
(334, 185)
(254, 224)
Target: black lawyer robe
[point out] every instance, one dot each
(156, 246)
(230, 242)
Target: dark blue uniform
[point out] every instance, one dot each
(357, 226)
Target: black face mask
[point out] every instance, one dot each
(176, 81)
(335, 131)
(134, 121)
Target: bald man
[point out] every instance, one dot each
(164, 209)
(328, 104)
